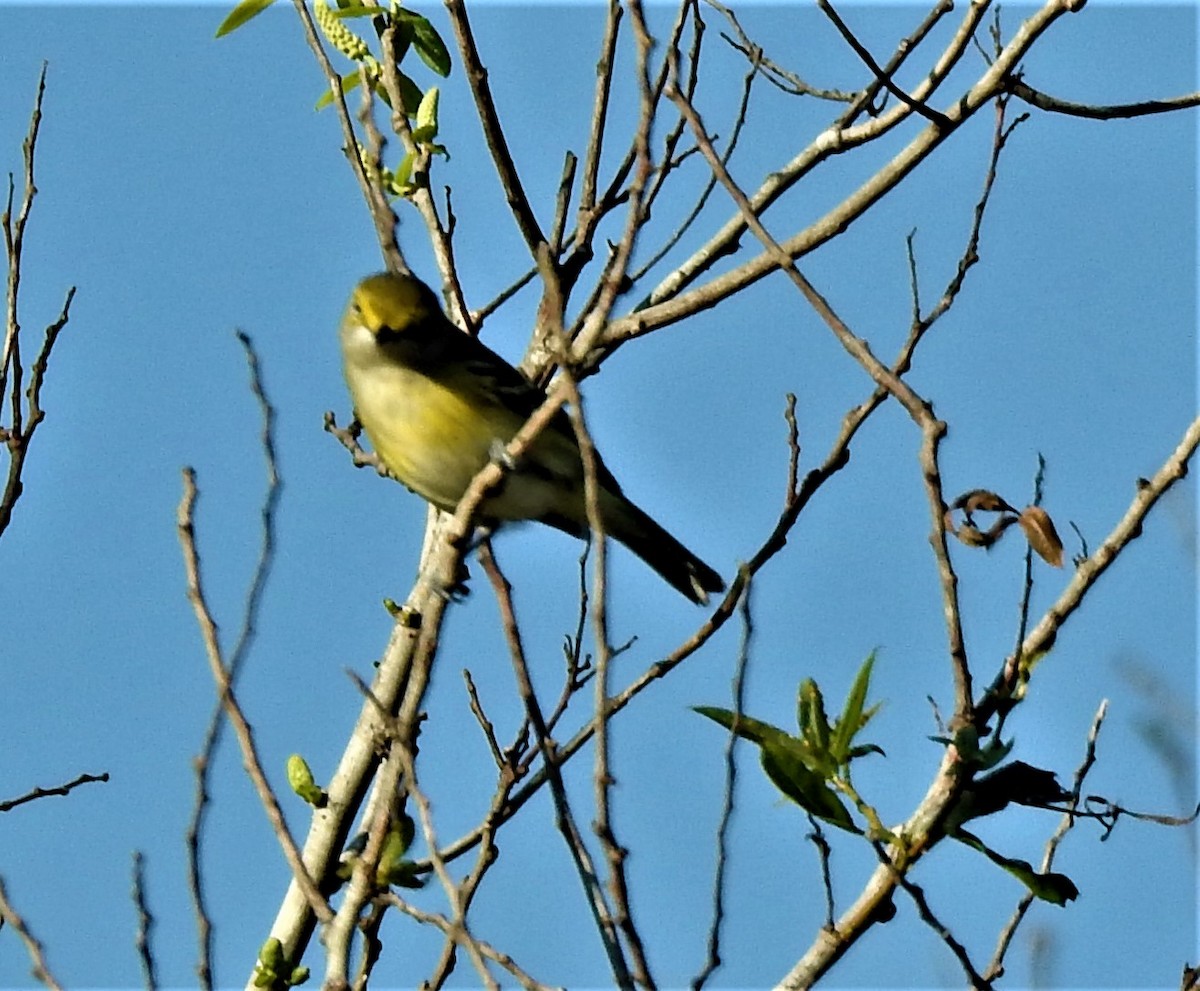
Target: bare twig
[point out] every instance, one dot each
(10, 917)
(996, 967)
(824, 855)
(969, 257)
(668, 303)
(1044, 101)
(713, 960)
(917, 894)
(599, 119)
(932, 429)
(63, 789)
(601, 912)
(459, 896)
(739, 121)
(881, 76)
(485, 724)
(145, 922)
(378, 820)
(1042, 637)
(447, 927)
(220, 671)
(485, 108)
(774, 73)
(212, 737)
(24, 417)
(382, 215)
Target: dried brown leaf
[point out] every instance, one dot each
(983, 501)
(1042, 537)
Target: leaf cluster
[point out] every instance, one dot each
(810, 767)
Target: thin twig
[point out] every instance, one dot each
(10, 917)
(63, 789)
(932, 429)
(447, 927)
(233, 710)
(212, 736)
(739, 121)
(145, 922)
(24, 421)
(382, 215)
(881, 76)
(458, 895)
(774, 73)
(996, 967)
(917, 894)
(825, 856)
(378, 820)
(599, 118)
(565, 820)
(713, 960)
(489, 731)
(1114, 111)
(669, 304)
(485, 108)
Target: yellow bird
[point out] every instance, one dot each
(437, 405)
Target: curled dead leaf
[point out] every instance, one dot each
(982, 501)
(1043, 538)
(972, 536)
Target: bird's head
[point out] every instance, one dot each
(384, 308)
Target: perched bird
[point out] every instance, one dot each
(437, 405)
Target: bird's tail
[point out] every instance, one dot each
(675, 563)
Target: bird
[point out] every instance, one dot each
(437, 405)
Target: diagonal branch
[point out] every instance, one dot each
(932, 429)
(493, 133)
(882, 76)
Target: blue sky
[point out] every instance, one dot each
(188, 188)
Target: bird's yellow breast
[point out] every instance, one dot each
(427, 434)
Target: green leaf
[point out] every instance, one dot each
(785, 766)
(425, 40)
(854, 715)
(348, 83)
(243, 12)
(865, 748)
(747, 727)
(814, 724)
(1058, 889)
(399, 183)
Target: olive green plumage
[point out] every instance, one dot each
(437, 405)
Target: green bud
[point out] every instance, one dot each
(300, 777)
